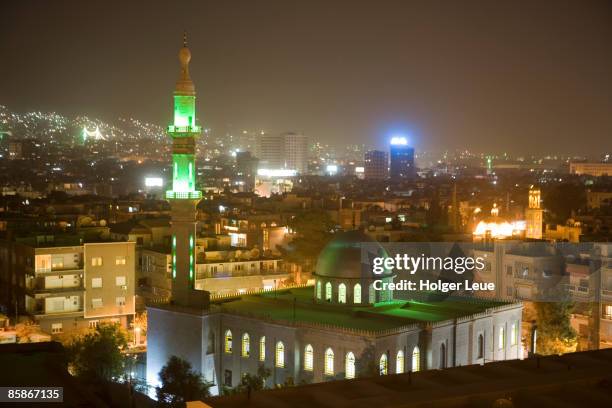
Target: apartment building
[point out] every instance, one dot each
(71, 287)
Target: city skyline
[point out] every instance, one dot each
(420, 70)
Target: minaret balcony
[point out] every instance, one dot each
(184, 129)
(183, 195)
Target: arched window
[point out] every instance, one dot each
(280, 354)
(442, 355)
(318, 289)
(246, 345)
(371, 294)
(228, 341)
(329, 361)
(399, 362)
(262, 348)
(513, 335)
(416, 359)
(480, 346)
(502, 338)
(308, 358)
(328, 291)
(357, 293)
(383, 365)
(349, 365)
(342, 293)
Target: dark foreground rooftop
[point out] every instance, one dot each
(581, 379)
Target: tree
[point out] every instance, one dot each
(313, 230)
(98, 355)
(562, 199)
(555, 335)
(251, 382)
(180, 384)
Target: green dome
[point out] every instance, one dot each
(350, 255)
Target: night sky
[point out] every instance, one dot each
(516, 76)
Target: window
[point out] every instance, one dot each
(608, 310)
(399, 362)
(416, 359)
(342, 293)
(502, 338)
(383, 365)
(57, 262)
(280, 354)
(246, 345)
(96, 283)
(329, 361)
(227, 378)
(308, 358)
(509, 270)
(318, 289)
(371, 294)
(480, 346)
(120, 281)
(328, 292)
(228, 342)
(93, 324)
(120, 260)
(262, 348)
(442, 355)
(357, 293)
(120, 301)
(349, 369)
(96, 303)
(96, 261)
(57, 328)
(513, 334)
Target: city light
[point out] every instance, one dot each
(276, 172)
(331, 169)
(154, 182)
(399, 141)
(499, 229)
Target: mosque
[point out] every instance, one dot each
(338, 328)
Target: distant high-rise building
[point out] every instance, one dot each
(246, 170)
(376, 165)
(402, 159)
(296, 152)
(283, 151)
(270, 150)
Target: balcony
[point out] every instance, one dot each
(184, 129)
(183, 195)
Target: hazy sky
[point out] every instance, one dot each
(517, 76)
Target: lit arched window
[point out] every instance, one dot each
(502, 338)
(308, 358)
(383, 365)
(480, 346)
(329, 362)
(399, 362)
(442, 355)
(357, 293)
(246, 345)
(262, 348)
(318, 289)
(513, 335)
(228, 341)
(349, 368)
(342, 293)
(328, 291)
(416, 359)
(280, 354)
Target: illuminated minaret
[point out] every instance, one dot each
(183, 197)
(533, 215)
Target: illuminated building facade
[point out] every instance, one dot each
(402, 160)
(376, 165)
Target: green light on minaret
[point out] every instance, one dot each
(183, 132)
(174, 257)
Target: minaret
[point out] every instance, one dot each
(183, 197)
(533, 215)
